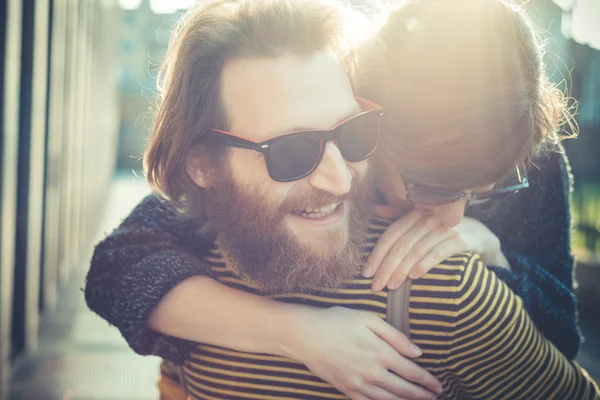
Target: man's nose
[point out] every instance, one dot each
(332, 174)
(450, 214)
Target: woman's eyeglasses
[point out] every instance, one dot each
(431, 196)
(295, 155)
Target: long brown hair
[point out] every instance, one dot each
(189, 82)
(465, 89)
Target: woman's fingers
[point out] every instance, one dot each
(402, 347)
(357, 396)
(404, 244)
(383, 393)
(411, 375)
(384, 385)
(394, 338)
(412, 262)
(451, 245)
(370, 391)
(388, 239)
(366, 348)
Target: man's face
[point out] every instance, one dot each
(300, 234)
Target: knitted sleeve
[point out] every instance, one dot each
(134, 268)
(535, 231)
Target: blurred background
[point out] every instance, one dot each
(77, 81)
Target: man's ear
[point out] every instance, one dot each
(197, 166)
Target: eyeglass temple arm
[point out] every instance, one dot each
(524, 183)
(234, 141)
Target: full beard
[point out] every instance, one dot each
(255, 237)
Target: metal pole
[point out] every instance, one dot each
(53, 160)
(8, 182)
(36, 171)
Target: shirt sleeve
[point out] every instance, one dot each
(534, 227)
(487, 346)
(136, 266)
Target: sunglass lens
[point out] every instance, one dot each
(293, 157)
(358, 138)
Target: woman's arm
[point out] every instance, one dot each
(535, 232)
(147, 279)
(490, 346)
(361, 341)
(136, 266)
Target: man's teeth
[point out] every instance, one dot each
(327, 208)
(318, 212)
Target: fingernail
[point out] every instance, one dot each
(367, 271)
(394, 284)
(415, 350)
(377, 284)
(439, 389)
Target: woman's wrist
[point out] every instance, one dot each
(292, 330)
(239, 320)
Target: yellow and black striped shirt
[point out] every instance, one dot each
(474, 332)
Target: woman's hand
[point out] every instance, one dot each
(417, 242)
(481, 240)
(359, 354)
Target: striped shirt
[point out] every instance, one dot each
(475, 336)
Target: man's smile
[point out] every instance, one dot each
(326, 216)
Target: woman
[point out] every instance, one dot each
(436, 69)
(454, 105)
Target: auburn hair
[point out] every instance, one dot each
(465, 91)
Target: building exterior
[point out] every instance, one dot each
(58, 130)
(575, 68)
(143, 40)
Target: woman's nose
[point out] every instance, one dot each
(449, 214)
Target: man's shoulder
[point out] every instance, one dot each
(376, 227)
(461, 263)
(377, 223)
(459, 292)
(454, 276)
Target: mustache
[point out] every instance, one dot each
(317, 198)
(313, 200)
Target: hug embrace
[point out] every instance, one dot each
(307, 161)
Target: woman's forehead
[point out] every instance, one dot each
(459, 172)
(450, 158)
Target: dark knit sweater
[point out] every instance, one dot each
(156, 248)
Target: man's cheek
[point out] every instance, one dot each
(359, 171)
(245, 168)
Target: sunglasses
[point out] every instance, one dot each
(430, 196)
(295, 155)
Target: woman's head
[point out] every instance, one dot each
(466, 95)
